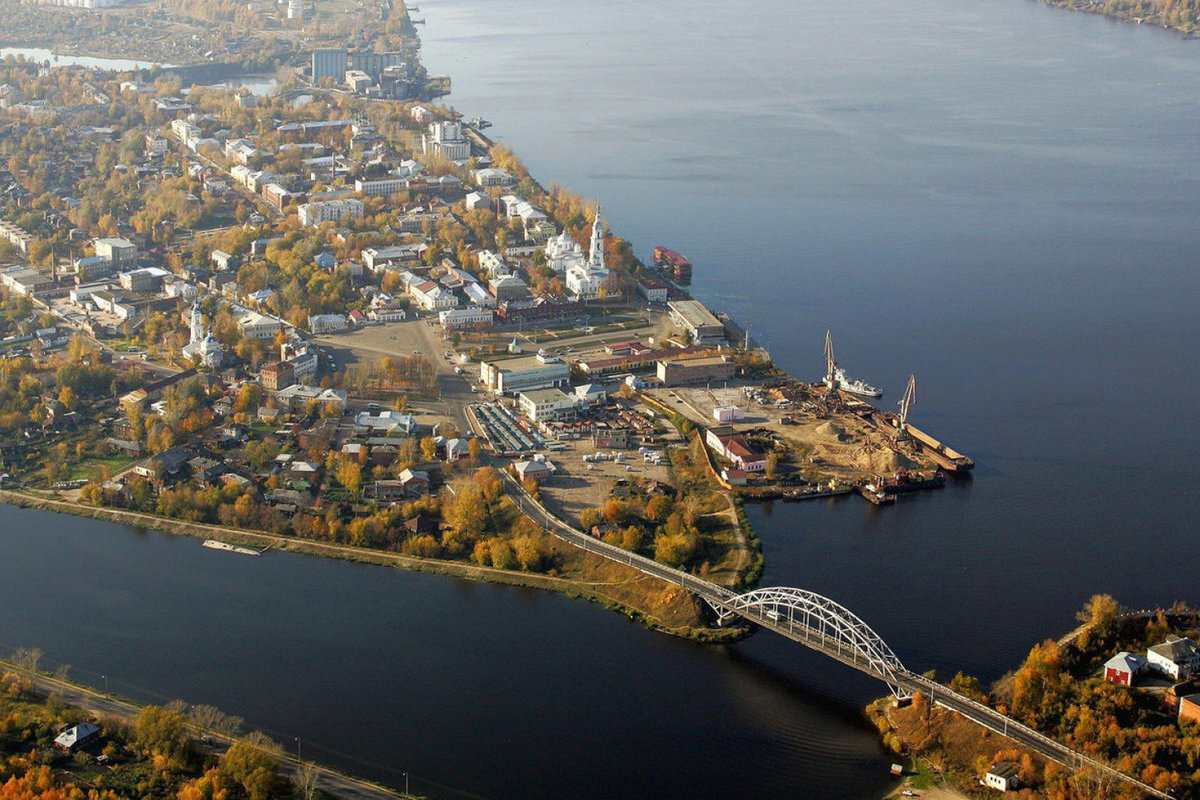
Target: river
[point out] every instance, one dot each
(998, 197)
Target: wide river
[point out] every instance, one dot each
(996, 196)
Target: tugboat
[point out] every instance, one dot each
(876, 495)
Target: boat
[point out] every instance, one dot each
(213, 544)
(904, 481)
(876, 495)
(858, 387)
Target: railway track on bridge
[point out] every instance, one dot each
(828, 628)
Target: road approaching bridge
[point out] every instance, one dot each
(831, 629)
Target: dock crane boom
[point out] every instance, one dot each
(830, 363)
(910, 396)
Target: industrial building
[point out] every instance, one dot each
(524, 373)
(329, 62)
(695, 371)
(699, 323)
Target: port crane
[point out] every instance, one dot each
(910, 396)
(830, 362)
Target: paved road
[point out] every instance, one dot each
(336, 783)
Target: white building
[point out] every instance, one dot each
(475, 200)
(240, 151)
(431, 297)
(563, 252)
(381, 187)
(258, 326)
(479, 296)
(493, 177)
(16, 236)
(492, 264)
(446, 139)
(465, 317)
(327, 323)
(1177, 658)
(1002, 776)
(117, 251)
(203, 347)
(541, 405)
(524, 373)
(342, 211)
(586, 280)
(296, 397)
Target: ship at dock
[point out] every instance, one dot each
(213, 544)
(835, 376)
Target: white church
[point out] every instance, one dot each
(203, 348)
(584, 275)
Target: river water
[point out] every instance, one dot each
(996, 196)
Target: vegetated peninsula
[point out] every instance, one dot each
(1179, 15)
(1123, 687)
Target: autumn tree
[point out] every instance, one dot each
(1100, 612)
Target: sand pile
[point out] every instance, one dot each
(831, 430)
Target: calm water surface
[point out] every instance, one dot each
(996, 196)
(44, 54)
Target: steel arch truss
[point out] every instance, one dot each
(821, 623)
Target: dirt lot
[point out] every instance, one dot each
(574, 488)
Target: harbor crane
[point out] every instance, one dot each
(910, 396)
(830, 362)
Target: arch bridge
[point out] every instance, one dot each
(831, 629)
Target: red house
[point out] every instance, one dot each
(1123, 668)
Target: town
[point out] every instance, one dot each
(320, 314)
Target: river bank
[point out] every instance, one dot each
(106, 707)
(1175, 19)
(602, 592)
(1063, 690)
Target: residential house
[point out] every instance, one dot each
(457, 449)
(1189, 708)
(206, 471)
(1177, 658)
(76, 736)
(535, 470)
(167, 466)
(1002, 776)
(414, 481)
(1123, 668)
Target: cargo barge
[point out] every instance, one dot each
(676, 265)
(213, 544)
(944, 456)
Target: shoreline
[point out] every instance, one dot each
(338, 783)
(568, 587)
